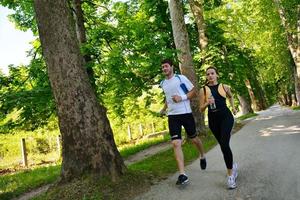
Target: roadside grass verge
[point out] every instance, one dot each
(246, 116)
(133, 148)
(163, 164)
(296, 107)
(12, 185)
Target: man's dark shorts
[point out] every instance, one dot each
(177, 121)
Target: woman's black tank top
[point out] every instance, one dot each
(220, 101)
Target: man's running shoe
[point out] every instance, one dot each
(231, 182)
(203, 163)
(182, 180)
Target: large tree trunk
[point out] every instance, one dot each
(186, 61)
(245, 105)
(87, 138)
(197, 10)
(293, 45)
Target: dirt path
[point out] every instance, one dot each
(34, 192)
(147, 152)
(267, 151)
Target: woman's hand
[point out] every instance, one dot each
(234, 111)
(210, 101)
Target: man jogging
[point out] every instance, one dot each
(178, 91)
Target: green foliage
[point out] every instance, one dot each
(41, 147)
(26, 90)
(256, 25)
(211, 4)
(24, 14)
(235, 64)
(127, 49)
(126, 41)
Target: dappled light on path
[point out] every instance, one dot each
(280, 130)
(267, 152)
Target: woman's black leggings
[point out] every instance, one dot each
(221, 123)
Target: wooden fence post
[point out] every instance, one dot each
(58, 143)
(141, 130)
(153, 127)
(24, 153)
(129, 132)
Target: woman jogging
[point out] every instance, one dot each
(213, 95)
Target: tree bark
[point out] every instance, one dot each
(297, 83)
(87, 140)
(197, 10)
(81, 36)
(258, 92)
(252, 96)
(184, 56)
(245, 105)
(293, 45)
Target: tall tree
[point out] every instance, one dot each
(293, 41)
(186, 65)
(88, 144)
(81, 36)
(197, 10)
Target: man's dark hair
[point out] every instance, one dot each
(169, 61)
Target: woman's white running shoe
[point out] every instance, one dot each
(231, 182)
(235, 170)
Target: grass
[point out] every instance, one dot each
(133, 148)
(101, 188)
(12, 185)
(159, 169)
(246, 116)
(296, 107)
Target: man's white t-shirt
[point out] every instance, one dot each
(172, 87)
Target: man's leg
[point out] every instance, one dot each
(198, 144)
(178, 155)
(175, 133)
(190, 128)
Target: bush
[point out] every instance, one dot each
(42, 145)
